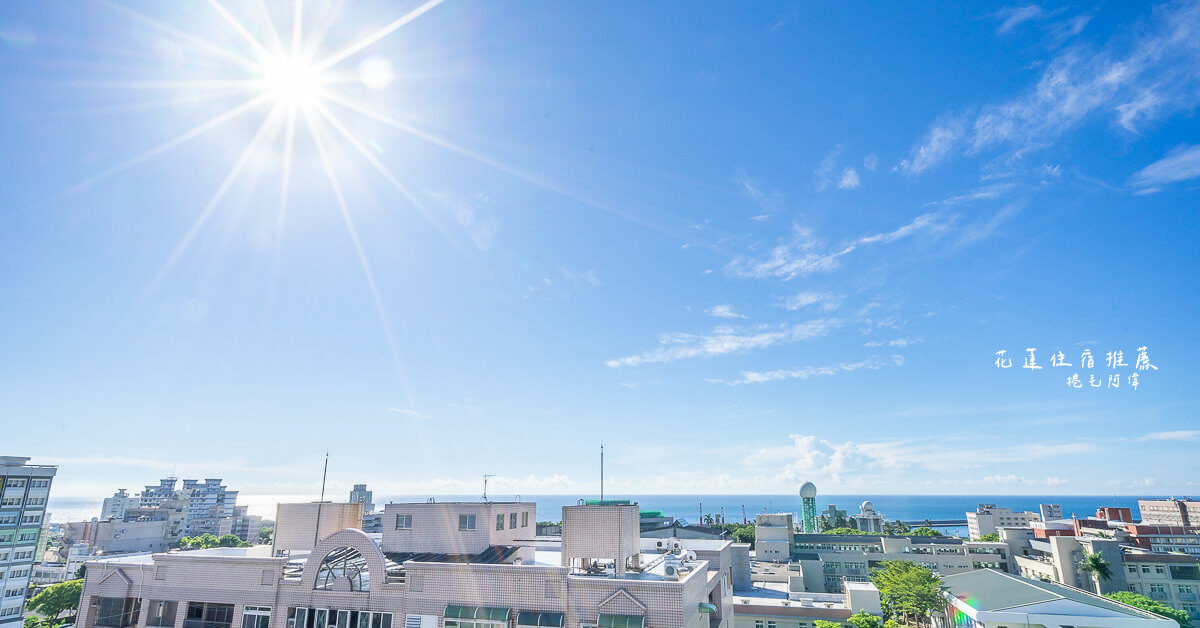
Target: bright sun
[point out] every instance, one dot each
(292, 81)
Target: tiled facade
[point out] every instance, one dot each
(24, 491)
(254, 588)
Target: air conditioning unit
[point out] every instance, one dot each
(671, 571)
(663, 544)
(689, 555)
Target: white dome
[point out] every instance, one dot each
(867, 506)
(808, 491)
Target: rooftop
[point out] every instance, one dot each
(991, 590)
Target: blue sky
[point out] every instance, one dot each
(743, 246)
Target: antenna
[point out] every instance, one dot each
(324, 475)
(485, 479)
(601, 473)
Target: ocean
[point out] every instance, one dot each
(688, 507)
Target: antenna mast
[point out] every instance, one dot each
(485, 479)
(324, 475)
(601, 473)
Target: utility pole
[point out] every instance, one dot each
(601, 473)
(744, 519)
(701, 521)
(485, 479)
(324, 475)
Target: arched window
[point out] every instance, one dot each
(347, 563)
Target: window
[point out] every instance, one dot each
(257, 616)
(208, 615)
(116, 612)
(758, 623)
(27, 536)
(14, 592)
(8, 520)
(343, 563)
(8, 612)
(39, 484)
(525, 520)
(14, 483)
(10, 501)
(512, 521)
(770, 623)
(6, 537)
(466, 522)
(403, 522)
(1159, 569)
(35, 501)
(22, 555)
(161, 613)
(500, 521)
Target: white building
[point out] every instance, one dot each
(987, 518)
(1050, 512)
(867, 520)
(773, 536)
(114, 507)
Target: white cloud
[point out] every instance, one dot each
(896, 342)
(723, 311)
(759, 377)
(1173, 435)
(849, 179)
(824, 171)
(1180, 164)
(1014, 16)
(724, 340)
(804, 254)
(1134, 80)
(826, 300)
(769, 203)
(871, 162)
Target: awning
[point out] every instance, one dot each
(538, 618)
(485, 613)
(622, 621)
(708, 608)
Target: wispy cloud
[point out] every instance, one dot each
(1014, 16)
(723, 311)
(724, 340)
(1133, 80)
(849, 180)
(824, 174)
(895, 342)
(769, 203)
(1180, 164)
(804, 254)
(1174, 435)
(806, 372)
(825, 300)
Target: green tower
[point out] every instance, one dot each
(808, 504)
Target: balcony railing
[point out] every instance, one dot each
(1158, 595)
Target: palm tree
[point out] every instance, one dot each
(1097, 567)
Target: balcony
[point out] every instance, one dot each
(1188, 597)
(1158, 595)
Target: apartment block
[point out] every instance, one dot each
(114, 507)
(24, 491)
(773, 536)
(1172, 512)
(436, 565)
(988, 518)
(827, 562)
(1172, 579)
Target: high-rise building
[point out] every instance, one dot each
(808, 506)
(1050, 512)
(361, 495)
(207, 502)
(1171, 512)
(988, 518)
(114, 507)
(25, 490)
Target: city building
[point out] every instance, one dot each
(808, 508)
(990, 599)
(1050, 512)
(114, 507)
(773, 536)
(835, 517)
(681, 530)
(24, 491)
(447, 565)
(867, 520)
(241, 524)
(361, 495)
(1164, 538)
(824, 563)
(114, 536)
(988, 518)
(1172, 579)
(1110, 513)
(1056, 559)
(764, 609)
(1172, 512)
(206, 502)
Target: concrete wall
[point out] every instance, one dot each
(296, 524)
(608, 532)
(435, 526)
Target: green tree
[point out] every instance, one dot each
(924, 531)
(823, 523)
(863, 619)
(56, 599)
(891, 623)
(908, 590)
(266, 535)
(901, 527)
(1094, 565)
(842, 531)
(821, 623)
(33, 622)
(1158, 608)
(206, 541)
(990, 536)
